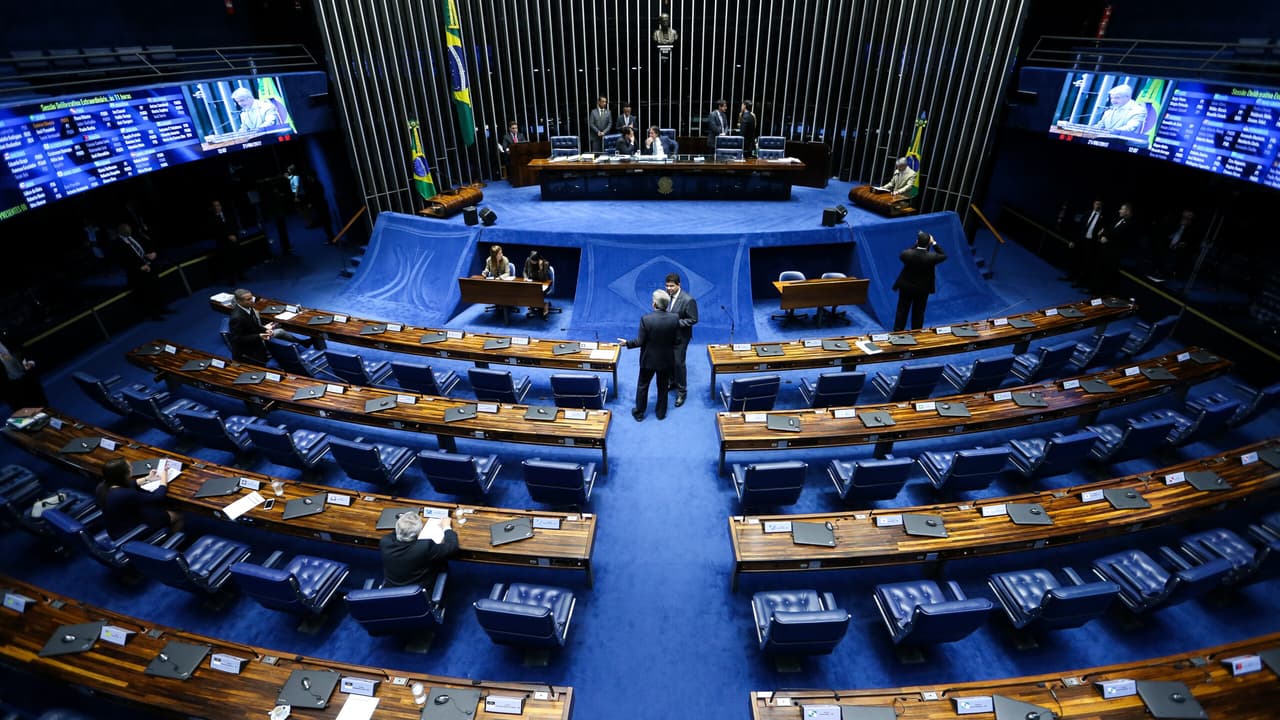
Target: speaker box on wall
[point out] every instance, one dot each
(469, 215)
(487, 216)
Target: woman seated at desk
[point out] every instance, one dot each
(496, 266)
(125, 505)
(538, 269)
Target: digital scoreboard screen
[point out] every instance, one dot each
(1224, 129)
(53, 149)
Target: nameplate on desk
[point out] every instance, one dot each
(1070, 384)
(226, 663)
(273, 377)
(394, 327)
(1095, 302)
(928, 405)
(754, 417)
(519, 341)
(17, 602)
(1117, 688)
(406, 399)
(994, 510)
(293, 308)
(973, 704)
(943, 330)
(1243, 664)
(1249, 458)
(171, 349)
(575, 414)
(1004, 395)
(812, 343)
(338, 499)
(487, 407)
(1089, 496)
(1000, 322)
(114, 634)
(820, 712)
(250, 483)
(546, 523)
(844, 413)
(1051, 312)
(358, 686)
(218, 363)
(1175, 478)
(435, 512)
(1131, 371)
(107, 444)
(589, 345)
(879, 337)
(454, 334)
(504, 705)
(342, 319)
(1184, 356)
(777, 526)
(888, 520)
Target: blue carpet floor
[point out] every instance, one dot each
(660, 626)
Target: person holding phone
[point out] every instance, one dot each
(916, 281)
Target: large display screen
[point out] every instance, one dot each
(1226, 129)
(56, 148)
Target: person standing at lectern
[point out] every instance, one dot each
(903, 180)
(657, 341)
(599, 123)
(684, 307)
(915, 282)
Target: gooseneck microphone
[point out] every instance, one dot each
(731, 323)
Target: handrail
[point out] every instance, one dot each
(991, 265)
(359, 214)
(1239, 61)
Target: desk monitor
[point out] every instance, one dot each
(875, 419)
(566, 348)
(508, 531)
(148, 349)
(1021, 323)
(964, 331)
(866, 712)
(1204, 358)
(1171, 700)
(1207, 480)
(434, 336)
(952, 409)
(308, 689)
(271, 310)
(1125, 498)
(138, 468)
(813, 533)
(302, 507)
(177, 660)
(1033, 398)
(770, 350)
(320, 320)
(1158, 373)
(902, 340)
(373, 405)
(451, 704)
(784, 423)
(68, 639)
(1070, 312)
(540, 412)
(218, 486)
(501, 343)
(1097, 385)
(195, 365)
(80, 445)
(1009, 709)
(387, 520)
(924, 525)
(249, 378)
(375, 329)
(1028, 514)
(462, 412)
(311, 392)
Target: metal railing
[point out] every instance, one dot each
(1254, 62)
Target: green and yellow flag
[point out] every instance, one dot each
(913, 155)
(422, 181)
(267, 90)
(458, 74)
(1152, 95)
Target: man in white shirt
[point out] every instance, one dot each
(903, 180)
(1124, 115)
(657, 145)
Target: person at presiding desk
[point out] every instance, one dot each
(124, 503)
(414, 552)
(626, 144)
(249, 334)
(658, 145)
(254, 113)
(496, 266)
(903, 180)
(657, 341)
(915, 282)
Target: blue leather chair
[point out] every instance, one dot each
(611, 143)
(791, 314)
(211, 430)
(75, 504)
(964, 470)
(308, 362)
(498, 385)
(917, 612)
(204, 567)
(1046, 361)
(1137, 438)
(1252, 402)
(159, 408)
(771, 147)
(407, 609)
(423, 378)
(453, 474)
(1037, 600)
(376, 463)
(1045, 457)
(1097, 350)
(99, 544)
(1267, 531)
(19, 489)
(979, 376)
(356, 370)
(728, 147)
(668, 133)
(104, 392)
(912, 382)
(1247, 560)
(301, 448)
(1208, 418)
(1146, 584)
(1147, 335)
(752, 394)
(871, 479)
(564, 145)
(578, 390)
(526, 615)
(559, 483)
(302, 586)
(766, 484)
(798, 622)
(833, 389)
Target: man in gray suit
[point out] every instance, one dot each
(718, 122)
(657, 342)
(685, 307)
(599, 122)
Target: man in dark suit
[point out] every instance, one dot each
(915, 282)
(684, 307)
(747, 128)
(142, 268)
(626, 144)
(1081, 250)
(626, 120)
(1175, 247)
(657, 343)
(717, 122)
(249, 334)
(599, 122)
(19, 383)
(658, 144)
(409, 558)
(226, 240)
(1113, 239)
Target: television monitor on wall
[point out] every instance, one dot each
(1226, 129)
(60, 147)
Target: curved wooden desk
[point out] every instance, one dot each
(809, 355)
(1068, 694)
(568, 547)
(425, 413)
(467, 346)
(860, 542)
(920, 418)
(118, 670)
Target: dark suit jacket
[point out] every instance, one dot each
(657, 340)
(626, 121)
(1118, 234)
(223, 230)
(917, 269)
(124, 508)
(747, 128)
(624, 146)
(685, 307)
(505, 141)
(124, 255)
(717, 123)
(599, 121)
(668, 146)
(416, 562)
(246, 336)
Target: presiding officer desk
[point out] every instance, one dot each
(567, 547)
(681, 177)
(410, 411)
(919, 419)
(454, 345)
(929, 342)
(1066, 694)
(118, 671)
(981, 527)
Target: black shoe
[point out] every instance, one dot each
(639, 416)
(679, 399)
(662, 416)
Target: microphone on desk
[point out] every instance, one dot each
(731, 323)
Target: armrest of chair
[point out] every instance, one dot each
(954, 606)
(274, 559)
(828, 601)
(956, 592)
(497, 592)
(1264, 535)
(132, 534)
(111, 381)
(1073, 576)
(1127, 579)
(173, 541)
(437, 590)
(1173, 558)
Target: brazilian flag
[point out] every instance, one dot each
(913, 155)
(267, 90)
(422, 181)
(458, 73)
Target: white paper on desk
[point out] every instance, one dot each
(243, 505)
(358, 707)
(601, 355)
(432, 530)
(166, 471)
(223, 297)
(754, 417)
(286, 315)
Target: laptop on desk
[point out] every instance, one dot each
(784, 423)
(433, 337)
(565, 348)
(835, 345)
(387, 520)
(462, 412)
(1158, 373)
(311, 392)
(195, 365)
(218, 486)
(813, 533)
(451, 704)
(271, 310)
(772, 350)
(1125, 499)
(501, 343)
(177, 661)
(1170, 700)
(80, 445)
(69, 639)
(867, 712)
(320, 320)
(1207, 480)
(302, 507)
(149, 350)
(373, 329)
(964, 331)
(875, 419)
(1032, 399)
(1096, 385)
(377, 404)
(902, 340)
(924, 525)
(252, 377)
(1070, 312)
(1021, 323)
(540, 412)
(308, 689)
(138, 468)
(1028, 514)
(952, 409)
(509, 531)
